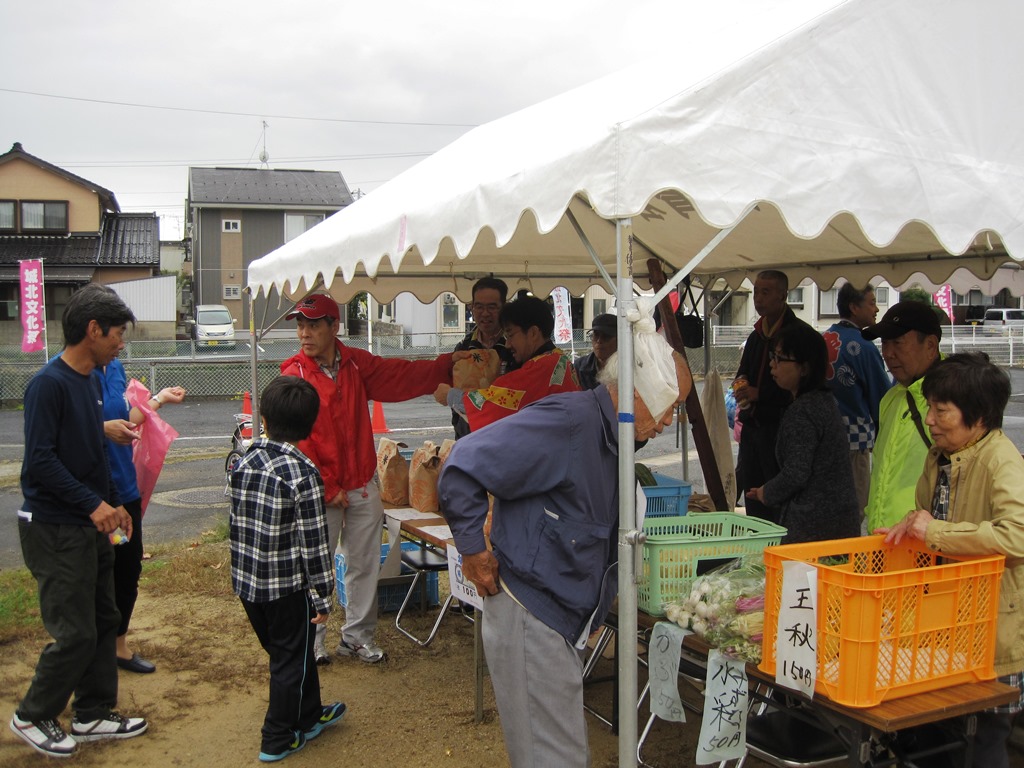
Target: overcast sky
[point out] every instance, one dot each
(130, 94)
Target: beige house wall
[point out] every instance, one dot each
(21, 180)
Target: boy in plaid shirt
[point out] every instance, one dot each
(281, 566)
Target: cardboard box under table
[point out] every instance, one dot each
(389, 596)
(892, 621)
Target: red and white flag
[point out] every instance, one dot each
(33, 308)
(944, 300)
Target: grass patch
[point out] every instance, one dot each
(202, 568)
(187, 569)
(19, 606)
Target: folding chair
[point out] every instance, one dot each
(422, 561)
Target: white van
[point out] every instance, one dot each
(213, 326)
(1004, 320)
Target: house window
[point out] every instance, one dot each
(231, 225)
(796, 298)
(297, 223)
(881, 295)
(44, 216)
(600, 307)
(827, 306)
(9, 301)
(449, 311)
(232, 291)
(7, 219)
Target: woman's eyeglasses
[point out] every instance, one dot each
(775, 357)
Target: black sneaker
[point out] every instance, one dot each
(45, 736)
(297, 743)
(332, 714)
(113, 726)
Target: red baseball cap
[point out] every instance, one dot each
(314, 307)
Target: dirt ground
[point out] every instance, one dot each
(206, 701)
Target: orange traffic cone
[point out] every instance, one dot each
(247, 411)
(379, 425)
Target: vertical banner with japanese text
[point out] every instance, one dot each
(563, 318)
(33, 308)
(944, 300)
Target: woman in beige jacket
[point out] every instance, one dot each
(970, 501)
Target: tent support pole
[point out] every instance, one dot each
(685, 270)
(708, 311)
(590, 249)
(629, 538)
(253, 357)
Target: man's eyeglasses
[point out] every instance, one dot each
(775, 357)
(598, 336)
(479, 309)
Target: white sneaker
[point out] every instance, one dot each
(113, 726)
(320, 653)
(370, 653)
(45, 736)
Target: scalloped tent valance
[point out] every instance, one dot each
(879, 139)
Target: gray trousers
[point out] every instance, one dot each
(74, 568)
(538, 685)
(360, 544)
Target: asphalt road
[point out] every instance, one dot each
(189, 497)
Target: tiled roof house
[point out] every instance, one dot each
(75, 226)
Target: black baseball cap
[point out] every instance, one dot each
(606, 324)
(902, 317)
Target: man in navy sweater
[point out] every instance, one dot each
(70, 509)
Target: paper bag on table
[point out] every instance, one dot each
(446, 448)
(477, 371)
(426, 465)
(392, 473)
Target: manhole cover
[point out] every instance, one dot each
(197, 498)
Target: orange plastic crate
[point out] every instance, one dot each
(892, 621)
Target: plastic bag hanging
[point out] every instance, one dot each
(654, 370)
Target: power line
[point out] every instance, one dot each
(186, 163)
(236, 114)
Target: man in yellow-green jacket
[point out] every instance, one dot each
(910, 332)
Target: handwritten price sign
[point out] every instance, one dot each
(723, 729)
(796, 639)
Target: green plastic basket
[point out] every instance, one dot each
(679, 549)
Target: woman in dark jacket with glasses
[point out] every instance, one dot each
(814, 487)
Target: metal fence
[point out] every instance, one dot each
(225, 372)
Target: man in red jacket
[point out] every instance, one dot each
(341, 446)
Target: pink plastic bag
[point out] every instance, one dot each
(151, 448)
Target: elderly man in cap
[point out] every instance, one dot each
(341, 446)
(604, 341)
(549, 576)
(910, 332)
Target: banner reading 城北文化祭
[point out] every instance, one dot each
(33, 307)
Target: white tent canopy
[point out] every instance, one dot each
(882, 138)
